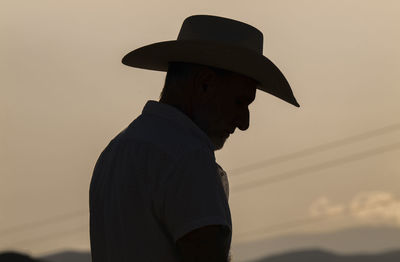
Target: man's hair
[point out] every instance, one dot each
(179, 73)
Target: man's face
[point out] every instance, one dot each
(227, 108)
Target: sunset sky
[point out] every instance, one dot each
(331, 164)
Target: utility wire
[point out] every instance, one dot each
(284, 176)
(313, 168)
(50, 236)
(43, 222)
(313, 150)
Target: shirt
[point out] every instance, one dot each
(156, 181)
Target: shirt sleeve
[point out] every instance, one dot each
(194, 196)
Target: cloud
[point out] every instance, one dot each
(323, 207)
(376, 207)
(370, 207)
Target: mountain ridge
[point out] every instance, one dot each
(326, 256)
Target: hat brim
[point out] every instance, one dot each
(237, 59)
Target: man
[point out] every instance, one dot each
(157, 193)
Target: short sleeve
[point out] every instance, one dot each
(194, 196)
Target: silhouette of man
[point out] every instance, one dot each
(157, 193)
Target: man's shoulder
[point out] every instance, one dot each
(160, 135)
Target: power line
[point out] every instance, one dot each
(43, 222)
(313, 168)
(49, 236)
(313, 150)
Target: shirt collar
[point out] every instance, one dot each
(173, 114)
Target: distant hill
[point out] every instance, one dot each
(297, 256)
(324, 256)
(67, 256)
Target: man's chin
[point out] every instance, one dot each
(219, 143)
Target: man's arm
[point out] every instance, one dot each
(204, 244)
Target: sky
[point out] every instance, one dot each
(65, 94)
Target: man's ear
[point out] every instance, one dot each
(204, 83)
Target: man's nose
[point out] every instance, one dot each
(243, 120)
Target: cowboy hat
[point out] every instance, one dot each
(218, 42)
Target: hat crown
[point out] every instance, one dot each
(221, 30)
